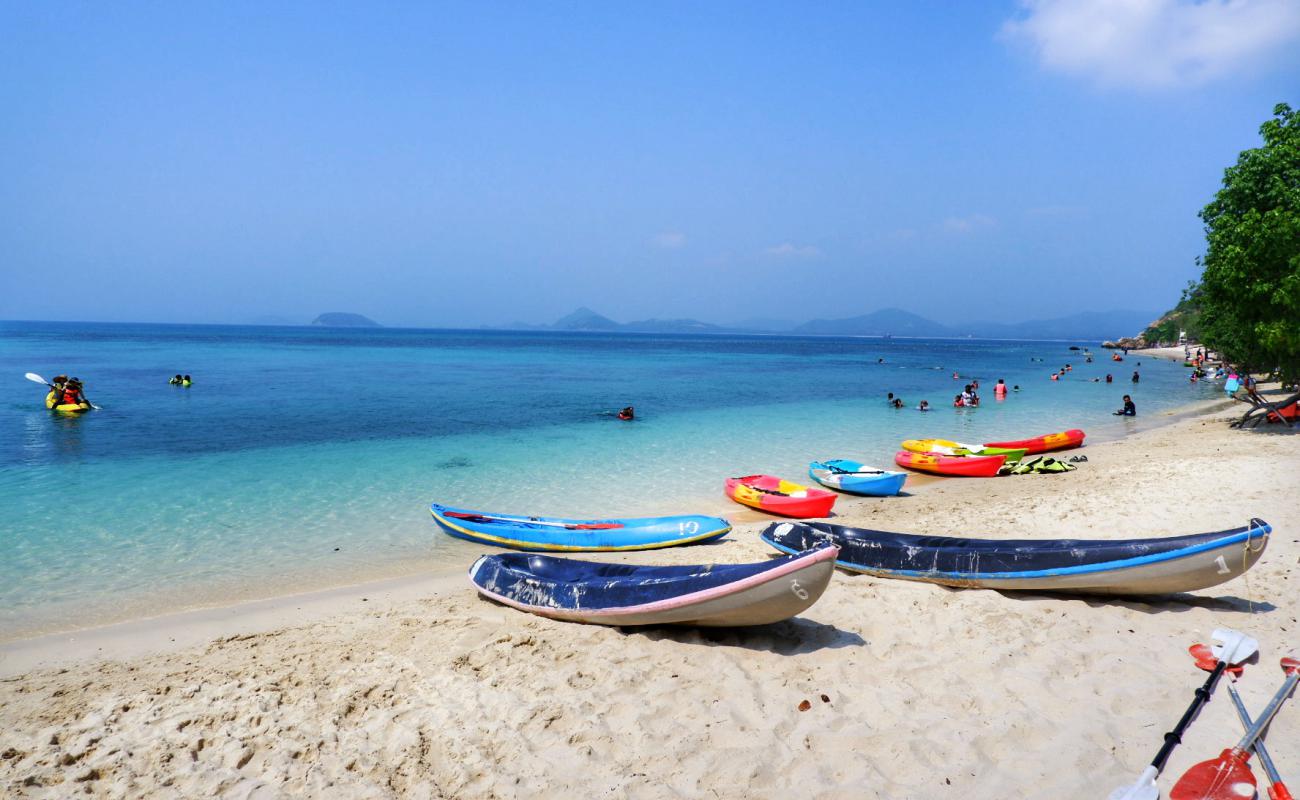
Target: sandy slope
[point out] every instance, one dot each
(916, 691)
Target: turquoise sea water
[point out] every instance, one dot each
(306, 457)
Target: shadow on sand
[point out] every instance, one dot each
(1161, 604)
(789, 638)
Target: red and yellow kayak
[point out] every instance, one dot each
(1043, 444)
(952, 466)
(776, 496)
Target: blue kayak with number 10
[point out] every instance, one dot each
(523, 532)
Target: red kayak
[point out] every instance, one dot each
(953, 466)
(775, 496)
(1043, 444)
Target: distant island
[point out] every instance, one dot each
(344, 319)
(1089, 325)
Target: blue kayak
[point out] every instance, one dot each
(600, 593)
(855, 478)
(521, 532)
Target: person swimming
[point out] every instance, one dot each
(175, 381)
(925, 406)
(627, 414)
(186, 381)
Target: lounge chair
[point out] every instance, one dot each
(1263, 409)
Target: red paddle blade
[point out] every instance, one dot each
(1205, 659)
(1290, 665)
(1224, 778)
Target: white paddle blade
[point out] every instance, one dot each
(34, 378)
(1144, 789)
(1232, 647)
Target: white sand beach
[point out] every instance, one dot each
(422, 689)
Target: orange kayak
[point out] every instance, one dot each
(952, 466)
(1043, 444)
(776, 496)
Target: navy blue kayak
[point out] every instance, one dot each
(1095, 566)
(628, 594)
(522, 532)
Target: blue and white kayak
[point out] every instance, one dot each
(576, 535)
(714, 595)
(1089, 566)
(857, 478)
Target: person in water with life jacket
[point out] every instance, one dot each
(627, 414)
(71, 394)
(186, 381)
(1129, 410)
(958, 402)
(1000, 388)
(176, 380)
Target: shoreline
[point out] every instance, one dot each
(914, 690)
(33, 648)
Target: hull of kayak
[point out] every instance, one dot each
(1064, 440)
(855, 478)
(777, 496)
(65, 408)
(1114, 567)
(572, 535)
(951, 466)
(721, 595)
(950, 448)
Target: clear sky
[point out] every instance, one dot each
(478, 163)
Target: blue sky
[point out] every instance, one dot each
(479, 163)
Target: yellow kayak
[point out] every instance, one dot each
(948, 447)
(65, 408)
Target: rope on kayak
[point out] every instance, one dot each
(1246, 552)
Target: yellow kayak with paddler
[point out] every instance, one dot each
(65, 408)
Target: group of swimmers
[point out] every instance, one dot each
(180, 380)
(969, 397)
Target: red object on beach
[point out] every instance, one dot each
(776, 496)
(1064, 440)
(1228, 777)
(952, 466)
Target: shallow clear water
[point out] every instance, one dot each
(296, 441)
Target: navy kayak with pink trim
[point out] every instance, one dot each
(719, 595)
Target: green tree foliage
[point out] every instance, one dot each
(1184, 318)
(1250, 290)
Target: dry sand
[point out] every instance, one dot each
(916, 691)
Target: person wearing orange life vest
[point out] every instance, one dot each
(72, 394)
(1000, 389)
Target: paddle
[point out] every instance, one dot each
(1205, 660)
(1232, 648)
(1228, 777)
(34, 378)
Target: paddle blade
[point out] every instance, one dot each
(1144, 789)
(34, 378)
(1205, 659)
(1232, 646)
(1224, 778)
(1290, 665)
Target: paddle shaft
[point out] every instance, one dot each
(1175, 737)
(1278, 790)
(1269, 712)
